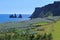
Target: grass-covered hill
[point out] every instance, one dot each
(33, 29)
(56, 32)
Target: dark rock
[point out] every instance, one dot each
(13, 16)
(47, 10)
(20, 16)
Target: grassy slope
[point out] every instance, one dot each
(48, 28)
(54, 28)
(56, 33)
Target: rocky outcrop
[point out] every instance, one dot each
(47, 10)
(20, 16)
(13, 16)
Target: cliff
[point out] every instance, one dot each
(47, 10)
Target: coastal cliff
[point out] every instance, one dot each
(47, 10)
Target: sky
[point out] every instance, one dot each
(21, 6)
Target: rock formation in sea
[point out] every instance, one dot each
(47, 10)
(20, 16)
(13, 16)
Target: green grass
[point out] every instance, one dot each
(53, 28)
(56, 33)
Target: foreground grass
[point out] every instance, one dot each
(54, 28)
(35, 31)
(56, 33)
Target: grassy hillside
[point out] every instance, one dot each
(56, 32)
(36, 29)
(54, 28)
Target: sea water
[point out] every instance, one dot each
(5, 18)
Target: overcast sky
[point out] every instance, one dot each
(21, 6)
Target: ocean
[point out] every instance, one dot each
(5, 18)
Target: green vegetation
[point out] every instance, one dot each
(56, 33)
(14, 35)
(30, 31)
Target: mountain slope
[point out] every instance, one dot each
(54, 9)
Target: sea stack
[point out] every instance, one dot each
(13, 16)
(20, 16)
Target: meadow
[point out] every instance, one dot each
(30, 30)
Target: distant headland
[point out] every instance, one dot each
(47, 10)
